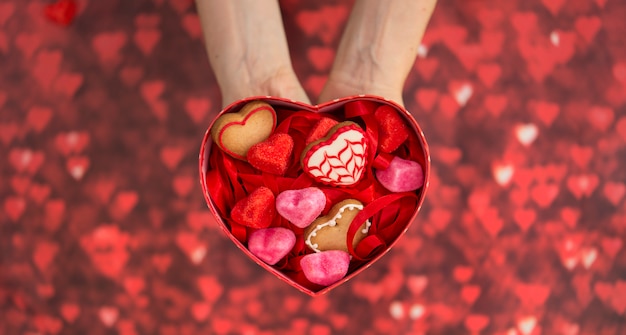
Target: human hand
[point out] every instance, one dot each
(247, 49)
(343, 83)
(277, 82)
(378, 48)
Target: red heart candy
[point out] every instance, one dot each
(256, 210)
(393, 131)
(320, 129)
(272, 155)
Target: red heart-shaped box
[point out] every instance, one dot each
(221, 195)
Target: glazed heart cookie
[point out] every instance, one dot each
(339, 158)
(235, 133)
(330, 232)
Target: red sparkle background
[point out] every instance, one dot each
(104, 229)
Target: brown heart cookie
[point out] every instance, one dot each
(236, 132)
(330, 232)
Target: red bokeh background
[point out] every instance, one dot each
(104, 229)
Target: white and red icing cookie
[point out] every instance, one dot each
(330, 232)
(339, 158)
(236, 132)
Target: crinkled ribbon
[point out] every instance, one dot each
(392, 208)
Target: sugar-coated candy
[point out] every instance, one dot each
(302, 206)
(320, 129)
(401, 175)
(326, 267)
(392, 129)
(257, 210)
(272, 155)
(271, 244)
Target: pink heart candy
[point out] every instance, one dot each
(326, 267)
(271, 244)
(301, 206)
(401, 175)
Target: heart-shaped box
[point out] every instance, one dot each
(220, 182)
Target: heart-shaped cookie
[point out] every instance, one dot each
(332, 129)
(330, 231)
(236, 132)
(339, 158)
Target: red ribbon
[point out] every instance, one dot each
(384, 230)
(382, 161)
(359, 108)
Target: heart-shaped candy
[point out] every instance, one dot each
(256, 210)
(271, 244)
(272, 155)
(236, 132)
(339, 158)
(392, 129)
(401, 175)
(301, 206)
(325, 268)
(320, 129)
